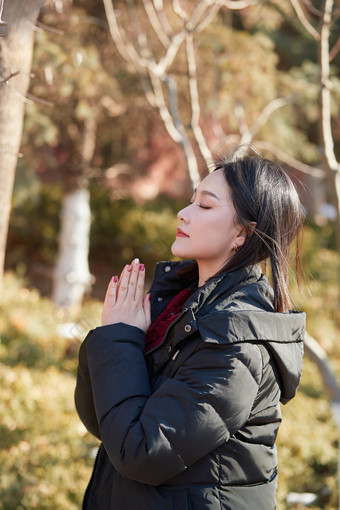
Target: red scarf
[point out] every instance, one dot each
(155, 333)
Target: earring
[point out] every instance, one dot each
(235, 248)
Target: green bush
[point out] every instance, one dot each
(45, 452)
(120, 229)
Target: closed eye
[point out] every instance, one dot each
(201, 206)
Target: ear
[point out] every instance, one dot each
(244, 234)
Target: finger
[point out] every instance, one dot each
(111, 289)
(140, 284)
(124, 283)
(110, 300)
(121, 276)
(134, 277)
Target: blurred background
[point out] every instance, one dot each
(110, 113)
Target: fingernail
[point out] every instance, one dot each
(149, 297)
(136, 261)
(129, 267)
(141, 267)
(115, 279)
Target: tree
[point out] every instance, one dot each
(162, 42)
(326, 54)
(76, 94)
(154, 63)
(16, 50)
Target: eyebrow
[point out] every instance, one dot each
(206, 192)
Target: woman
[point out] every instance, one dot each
(183, 387)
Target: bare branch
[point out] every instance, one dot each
(311, 7)
(128, 51)
(9, 77)
(28, 98)
(194, 97)
(179, 11)
(326, 116)
(266, 112)
(198, 15)
(145, 53)
(318, 355)
(235, 4)
(191, 25)
(184, 140)
(163, 110)
(249, 133)
(304, 21)
(140, 36)
(208, 17)
(171, 53)
(334, 51)
(167, 28)
(38, 99)
(290, 161)
(49, 29)
(125, 48)
(150, 96)
(155, 22)
(14, 154)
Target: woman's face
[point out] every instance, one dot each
(208, 231)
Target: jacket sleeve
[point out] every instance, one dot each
(83, 396)
(153, 437)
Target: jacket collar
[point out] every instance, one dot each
(167, 281)
(222, 285)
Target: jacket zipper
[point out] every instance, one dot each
(167, 331)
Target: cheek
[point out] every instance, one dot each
(220, 225)
(220, 234)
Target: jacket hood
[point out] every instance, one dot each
(282, 334)
(238, 307)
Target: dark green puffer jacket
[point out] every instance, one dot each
(192, 424)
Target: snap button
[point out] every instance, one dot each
(169, 349)
(187, 328)
(159, 299)
(167, 269)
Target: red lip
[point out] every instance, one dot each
(180, 233)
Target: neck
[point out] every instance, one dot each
(206, 271)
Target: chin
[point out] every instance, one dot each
(176, 251)
(173, 249)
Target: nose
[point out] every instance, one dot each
(182, 215)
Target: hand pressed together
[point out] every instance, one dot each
(124, 300)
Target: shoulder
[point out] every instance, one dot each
(245, 313)
(249, 325)
(236, 357)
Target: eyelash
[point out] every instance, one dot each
(201, 206)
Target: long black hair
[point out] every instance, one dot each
(262, 193)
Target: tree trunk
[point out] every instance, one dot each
(72, 276)
(15, 66)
